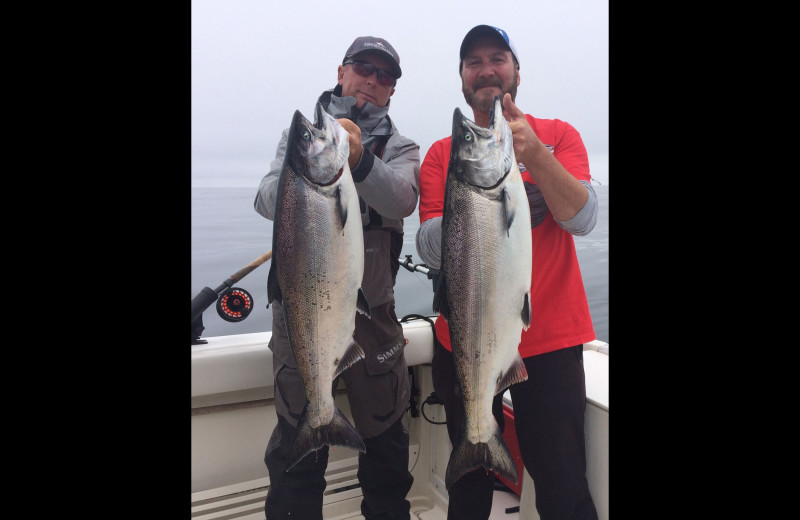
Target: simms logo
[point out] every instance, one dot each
(389, 354)
(380, 46)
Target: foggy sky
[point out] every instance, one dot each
(254, 62)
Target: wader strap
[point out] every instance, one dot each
(375, 219)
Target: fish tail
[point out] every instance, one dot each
(494, 456)
(338, 432)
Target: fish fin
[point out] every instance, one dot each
(362, 305)
(341, 209)
(440, 298)
(353, 353)
(516, 373)
(273, 289)
(494, 456)
(339, 432)
(509, 212)
(526, 311)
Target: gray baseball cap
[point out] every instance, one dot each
(364, 44)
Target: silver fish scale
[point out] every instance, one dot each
(486, 270)
(481, 311)
(319, 280)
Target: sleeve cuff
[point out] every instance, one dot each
(364, 166)
(583, 221)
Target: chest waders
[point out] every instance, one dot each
(377, 389)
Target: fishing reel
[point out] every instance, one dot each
(235, 304)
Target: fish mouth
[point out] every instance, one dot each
(317, 151)
(481, 156)
(319, 117)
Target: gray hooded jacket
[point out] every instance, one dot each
(388, 187)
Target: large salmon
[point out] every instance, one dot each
(484, 291)
(316, 272)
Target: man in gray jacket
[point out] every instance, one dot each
(385, 167)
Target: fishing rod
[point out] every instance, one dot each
(422, 268)
(233, 303)
(432, 274)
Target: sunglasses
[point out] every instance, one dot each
(365, 69)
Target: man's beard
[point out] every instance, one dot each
(481, 104)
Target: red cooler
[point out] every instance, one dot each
(510, 436)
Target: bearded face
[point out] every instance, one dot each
(481, 91)
(488, 69)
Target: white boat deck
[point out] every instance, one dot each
(232, 419)
(342, 500)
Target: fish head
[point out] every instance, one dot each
(482, 156)
(317, 151)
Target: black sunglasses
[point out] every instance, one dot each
(366, 69)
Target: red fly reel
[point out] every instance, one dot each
(234, 305)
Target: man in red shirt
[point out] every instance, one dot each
(549, 406)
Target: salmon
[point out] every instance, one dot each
(316, 272)
(485, 282)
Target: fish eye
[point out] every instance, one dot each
(468, 137)
(306, 135)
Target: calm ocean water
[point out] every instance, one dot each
(228, 234)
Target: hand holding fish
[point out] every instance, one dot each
(526, 143)
(354, 137)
